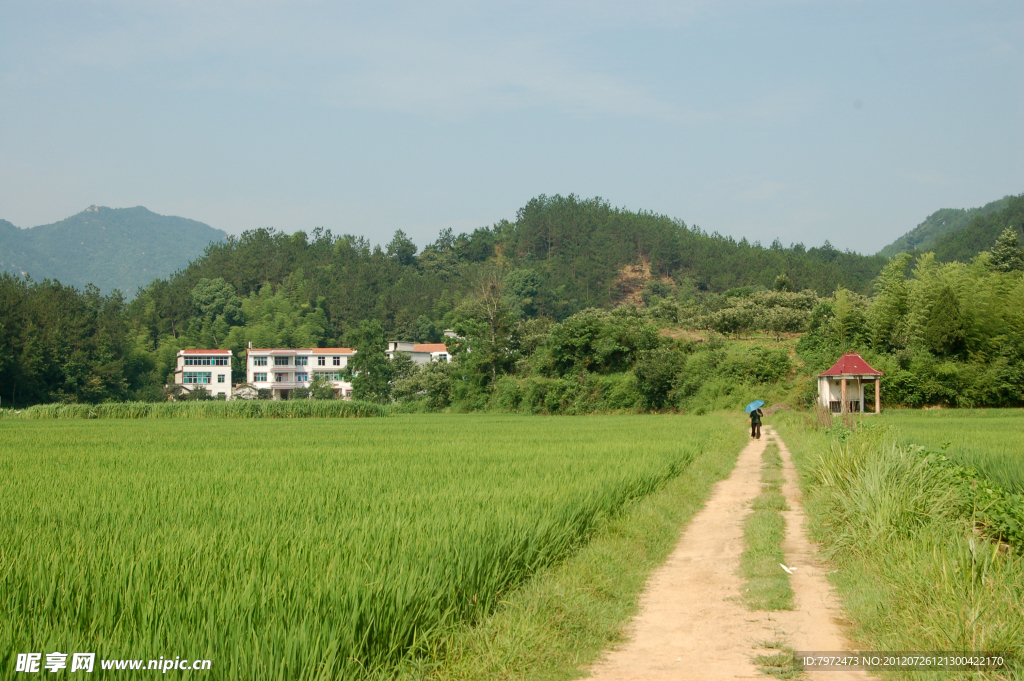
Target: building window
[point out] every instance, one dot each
(207, 361)
(321, 361)
(348, 393)
(281, 361)
(280, 378)
(220, 378)
(197, 377)
(301, 361)
(301, 377)
(329, 375)
(259, 361)
(337, 361)
(259, 377)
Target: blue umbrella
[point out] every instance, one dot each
(756, 404)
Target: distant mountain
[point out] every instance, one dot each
(939, 224)
(113, 248)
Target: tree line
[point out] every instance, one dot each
(512, 290)
(944, 334)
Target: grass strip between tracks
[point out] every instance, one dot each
(767, 586)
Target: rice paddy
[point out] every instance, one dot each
(990, 440)
(304, 549)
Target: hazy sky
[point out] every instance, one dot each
(847, 121)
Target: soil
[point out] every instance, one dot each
(692, 622)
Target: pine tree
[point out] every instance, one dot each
(1007, 255)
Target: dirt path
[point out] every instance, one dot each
(692, 624)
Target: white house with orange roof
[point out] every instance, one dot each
(421, 353)
(208, 369)
(841, 388)
(282, 370)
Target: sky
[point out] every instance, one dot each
(803, 121)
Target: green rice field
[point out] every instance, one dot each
(991, 440)
(304, 548)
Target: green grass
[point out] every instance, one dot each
(322, 548)
(767, 586)
(211, 409)
(910, 567)
(990, 440)
(781, 665)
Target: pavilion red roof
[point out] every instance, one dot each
(852, 364)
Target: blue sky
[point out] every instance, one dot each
(806, 121)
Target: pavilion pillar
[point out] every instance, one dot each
(860, 394)
(878, 394)
(844, 407)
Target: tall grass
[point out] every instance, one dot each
(913, 571)
(212, 409)
(315, 549)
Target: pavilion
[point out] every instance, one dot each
(834, 385)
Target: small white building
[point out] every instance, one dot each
(841, 388)
(209, 369)
(282, 370)
(421, 353)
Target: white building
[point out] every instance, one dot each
(209, 369)
(421, 353)
(282, 370)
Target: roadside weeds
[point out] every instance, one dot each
(912, 574)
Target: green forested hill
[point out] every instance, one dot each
(559, 256)
(939, 224)
(113, 248)
(982, 232)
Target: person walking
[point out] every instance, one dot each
(755, 423)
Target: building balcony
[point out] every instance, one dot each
(288, 385)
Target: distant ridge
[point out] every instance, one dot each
(939, 224)
(113, 248)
